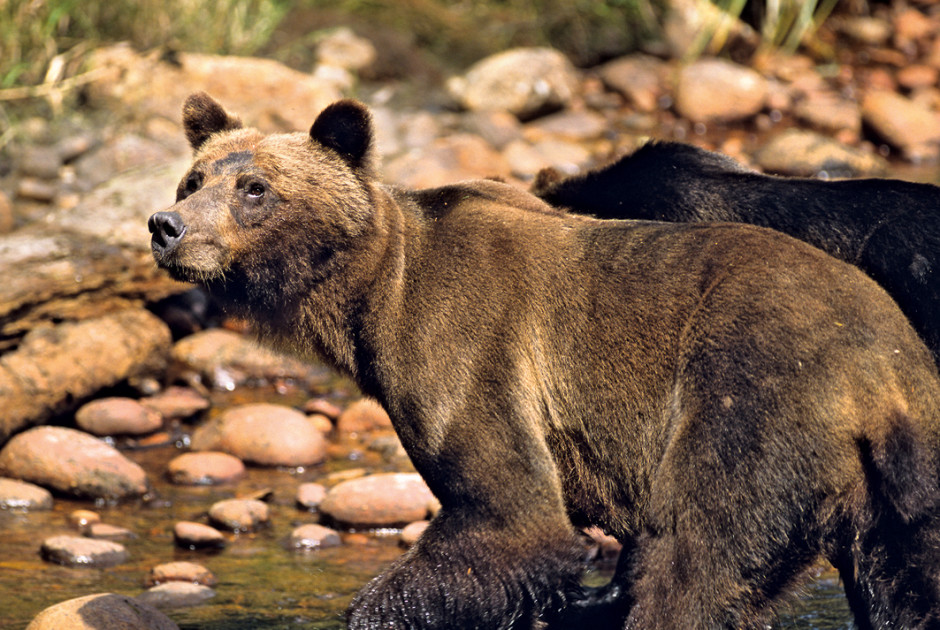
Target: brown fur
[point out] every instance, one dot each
(728, 402)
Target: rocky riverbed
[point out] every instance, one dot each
(142, 428)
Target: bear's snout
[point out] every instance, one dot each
(168, 230)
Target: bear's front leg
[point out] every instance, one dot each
(473, 574)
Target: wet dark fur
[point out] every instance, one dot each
(888, 228)
(727, 401)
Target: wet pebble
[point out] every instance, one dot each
(640, 78)
(322, 407)
(176, 595)
(903, 123)
(102, 610)
(181, 571)
(192, 535)
(105, 531)
(313, 536)
(380, 500)
(310, 495)
(362, 416)
(20, 495)
(239, 515)
(808, 154)
(72, 462)
(117, 416)
(177, 403)
(41, 162)
(81, 551)
(412, 532)
(265, 434)
(82, 519)
(206, 468)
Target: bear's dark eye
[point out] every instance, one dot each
(191, 184)
(255, 190)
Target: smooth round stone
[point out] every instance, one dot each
(117, 416)
(381, 500)
(104, 531)
(99, 611)
(412, 532)
(20, 495)
(239, 515)
(197, 535)
(205, 468)
(82, 519)
(181, 571)
(314, 536)
(176, 595)
(81, 551)
(309, 495)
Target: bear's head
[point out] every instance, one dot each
(255, 212)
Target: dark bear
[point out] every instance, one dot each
(727, 401)
(888, 228)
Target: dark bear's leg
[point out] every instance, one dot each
(459, 576)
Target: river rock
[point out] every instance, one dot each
(20, 495)
(524, 81)
(903, 123)
(72, 462)
(265, 434)
(197, 536)
(56, 366)
(313, 536)
(102, 610)
(181, 571)
(361, 416)
(380, 500)
(239, 515)
(310, 495)
(176, 595)
(106, 531)
(716, 90)
(149, 84)
(446, 160)
(828, 111)
(203, 469)
(81, 551)
(344, 49)
(177, 403)
(226, 360)
(117, 415)
(82, 519)
(808, 154)
(642, 79)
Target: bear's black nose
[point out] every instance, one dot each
(168, 230)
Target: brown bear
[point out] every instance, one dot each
(727, 401)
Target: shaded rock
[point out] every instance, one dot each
(323, 424)
(716, 90)
(917, 76)
(122, 153)
(526, 82)
(7, 219)
(640, 78)
(569, 125)
(226, 360)
(808, 154)
(181, 572)
(454, 158)
(380, 500)
(19, 495)
(496, 128)
(314, 536)
(323, 407)
(116, 416)
(81, 551)
(40, 161)
(903, 123)
(177, 403)
(361, 416)
(827, 111)
(56, 367)
(34, 189)
(310, 495)
(412, 532)
(239, 515)
(102, 610)
(104, 531)
(150, 85)
(72, 462)
(205, 468)
(263, 433)
(197, 536)
(176, 595)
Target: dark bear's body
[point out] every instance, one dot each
(730, 403)
(888, 228)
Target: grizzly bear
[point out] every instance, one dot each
(729, 402)
(888, 228)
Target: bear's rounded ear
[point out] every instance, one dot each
(203, 116)
(346, 127)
